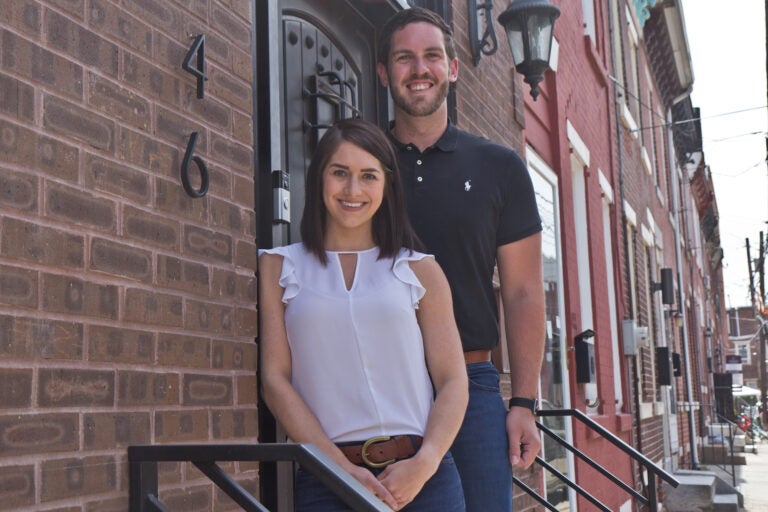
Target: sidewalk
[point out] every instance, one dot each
(752, 480)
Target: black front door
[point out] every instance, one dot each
(328, 73)
(315, 64)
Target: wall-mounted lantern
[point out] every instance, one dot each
(530, 26)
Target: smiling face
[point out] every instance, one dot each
(353, 184)
(418, 70)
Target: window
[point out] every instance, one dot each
(608, 201)
(743, 351)
(617, 43)
(630, 232)
(633, 80)
(651, 139)
(663, 174)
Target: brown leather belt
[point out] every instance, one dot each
(379, 452)
(477, 356)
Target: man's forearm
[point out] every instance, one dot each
(525, 333)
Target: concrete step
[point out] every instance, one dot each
(720, 454)
(723, 482)
(726, 503)
(696, 492)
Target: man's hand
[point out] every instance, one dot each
(524, 439)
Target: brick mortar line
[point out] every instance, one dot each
(151, 368)
(121, 284)
(118, 81)
(133, 326)
(182, 9)
(43, 220)
(121, 452)
(148, 408)
(104, 279)
(89, 234)
(87, 150)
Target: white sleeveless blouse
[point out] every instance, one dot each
(357, 355)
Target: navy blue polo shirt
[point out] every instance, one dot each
(467, 196)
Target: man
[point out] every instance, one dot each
(472, 204)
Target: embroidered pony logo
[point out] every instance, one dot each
(467, 185)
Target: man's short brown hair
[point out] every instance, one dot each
(406, 17)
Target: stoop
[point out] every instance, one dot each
(696, 492)
(726, 503)
(702, 491)
(722, 486)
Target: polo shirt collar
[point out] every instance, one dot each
(446, 142)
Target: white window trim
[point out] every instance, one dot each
(605, 187)
(554, 55)
(579, 163)
(588, 9)
(632, 25)
(629, 212)
(577, 143)
(658, 236)
(628, 121)
(647, 234)
(611, 292)
(646, 161)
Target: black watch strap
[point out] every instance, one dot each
(529, 403)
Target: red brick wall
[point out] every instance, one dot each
(493, 101)
(487, 95)
(127, 308)
(488, 103)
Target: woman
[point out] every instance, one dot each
(359, 344)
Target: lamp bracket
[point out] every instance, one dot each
(487, 44)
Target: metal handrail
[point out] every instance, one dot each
(651, 501)
(728, 452)
(143, 461)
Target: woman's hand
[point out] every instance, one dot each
(404, 479)
(371, 483)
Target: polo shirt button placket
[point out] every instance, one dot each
(419, 178)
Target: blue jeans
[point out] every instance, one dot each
(441, 493)
(481, 447)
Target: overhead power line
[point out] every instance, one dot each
(683, 121)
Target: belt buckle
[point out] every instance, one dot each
(364, 452)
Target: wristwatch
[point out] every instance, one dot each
(529, 403)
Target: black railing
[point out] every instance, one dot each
(717, 446)
(650, 501)
(143, 460)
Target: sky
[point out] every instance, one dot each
(728, 44)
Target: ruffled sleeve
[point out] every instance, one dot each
(288, 278)
(404, 273)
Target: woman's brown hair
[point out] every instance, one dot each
(391, 228)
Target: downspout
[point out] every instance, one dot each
(621, 223)
(680, 290)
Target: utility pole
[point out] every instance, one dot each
(751, 278)
(763, 334)
(758, 307)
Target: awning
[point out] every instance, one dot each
(745, 391)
